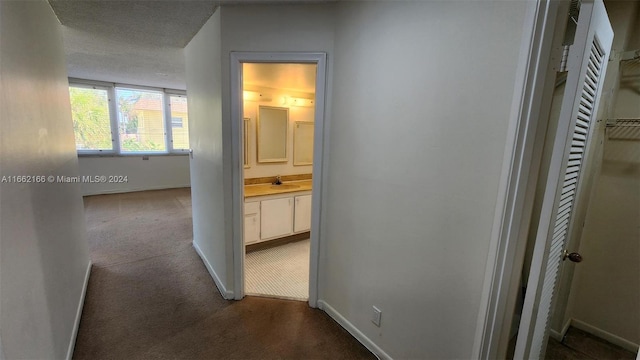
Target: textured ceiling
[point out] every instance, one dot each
(141, 42)
(295, 77)
(133, 42)
(151, 23)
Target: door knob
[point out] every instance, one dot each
(575, 257)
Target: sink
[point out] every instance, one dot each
(285, 186)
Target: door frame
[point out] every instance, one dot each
(237, 171)
(543, 33)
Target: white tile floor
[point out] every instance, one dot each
(280, 272)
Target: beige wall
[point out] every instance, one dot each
(210, 220)
(606, 289)
(158, 172)
(43, 251)
(415, 159)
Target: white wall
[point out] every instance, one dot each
(211, 228)
(296, 113)
(422, 94)
(268, 28)
(44, 256)
(159, 172)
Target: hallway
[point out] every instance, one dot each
(150, 296)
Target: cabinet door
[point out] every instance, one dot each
(302, 215)
(276, 218)
(251, 222)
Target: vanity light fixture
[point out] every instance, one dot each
(255, 96)
(295, 101)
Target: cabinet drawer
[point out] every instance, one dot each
(251, 207)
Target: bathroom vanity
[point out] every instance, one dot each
(276, 211)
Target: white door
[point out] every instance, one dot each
(302, 213)
(587, 64)
(276, 218)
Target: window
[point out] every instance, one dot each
(141, 120)
(90, 114)
(176, 123)
(109, 119)
(179, 122)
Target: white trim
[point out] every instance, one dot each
(560, 335)
(605, 335)
(556, 335)
(237, 166)
(107, 84)
(514, 203)
(168, 126)
(226, 294)
(148, 188)
(113, 121)
(76, 324)
(359, 335)
(237, 177)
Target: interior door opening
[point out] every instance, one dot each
(278, 117)
(561, 180)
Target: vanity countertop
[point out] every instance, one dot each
(269, 189)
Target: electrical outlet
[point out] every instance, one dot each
(376, 316)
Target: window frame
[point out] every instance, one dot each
(114, 121)
(167, 103)
(110, 103)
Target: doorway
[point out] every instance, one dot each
(277, 103)
(586, 61)
(277, 118)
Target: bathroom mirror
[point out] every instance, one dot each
(246, 126)
(303, 143)
(272, 134)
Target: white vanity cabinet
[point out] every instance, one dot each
(275, 216)
(302, 213)
(251, 222)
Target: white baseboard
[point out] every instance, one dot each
(555, 335)
(128, 190)
(76, 325)
(560, 335)
(362, 338)
(219, 284)
(614, 339)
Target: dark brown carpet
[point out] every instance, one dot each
(150, 296)
(579, 345)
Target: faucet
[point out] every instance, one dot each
(278, 180)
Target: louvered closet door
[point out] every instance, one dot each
(588, 58)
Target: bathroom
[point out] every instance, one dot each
(277, 127)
